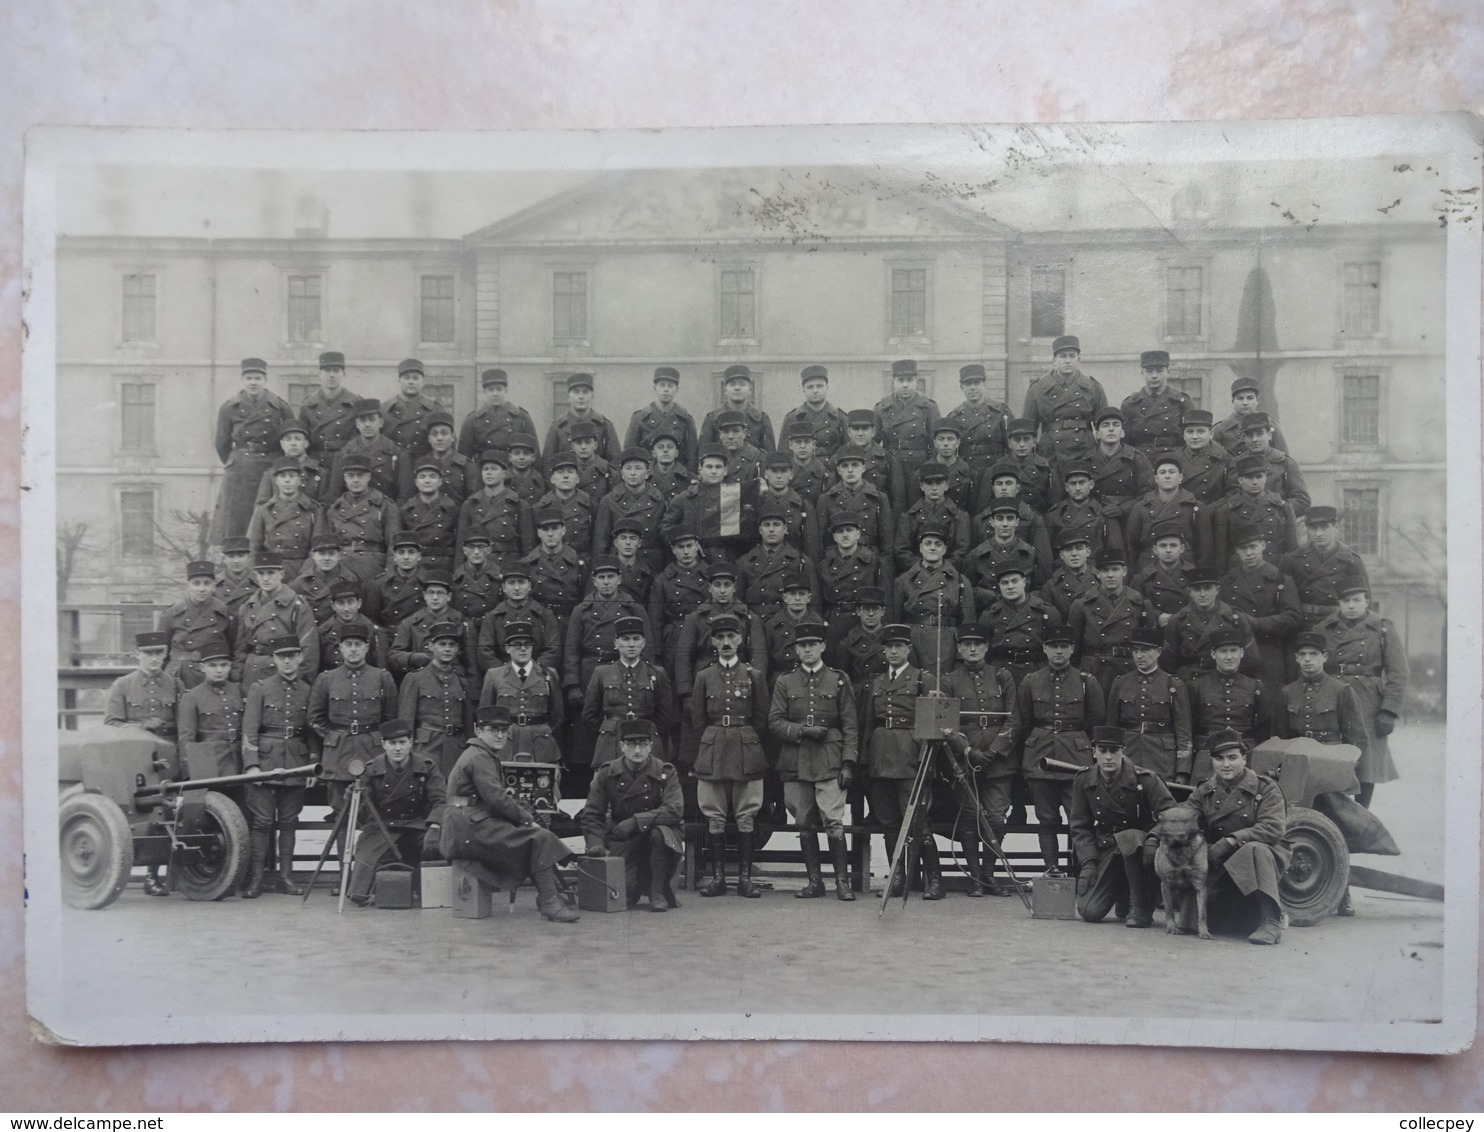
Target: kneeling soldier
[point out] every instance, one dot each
(409, 793)
(813, 714)
(634, 811)
(1114, 806)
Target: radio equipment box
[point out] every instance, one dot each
(601, 886)
(1054, 897)
(537, 786)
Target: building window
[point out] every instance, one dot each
(1183, 301)
(297, 392)
(137, 523)
(137, 416)
(305, 294)
(437, 308)
(908, 302)
(1360, 519)
(559, 404)
(139, 308)
(569, 306)
(1048, 302)
(1360, 410)
(1191, 382)
(1362, 310)
(443, 393)
(738, 303)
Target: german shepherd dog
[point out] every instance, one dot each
(1181, 864)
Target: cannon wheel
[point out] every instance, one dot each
(97, 850)
(222, 866)
(1319, 871)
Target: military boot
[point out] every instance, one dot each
(716, 884)
(284, 882)
(1346, 907)
(1050, 850)
(841, 860)
(1140, 893)
(661, 865)
(745, 887)
(971, 866)
(257, 854)
(1271, 928)
(814, 887)
(549, 901)
(932, 872)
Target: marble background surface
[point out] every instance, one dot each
(464, 64)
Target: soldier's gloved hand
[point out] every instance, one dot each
(430, 844)
(626, 828)
(818, 734)
(846, 777)
(1221, 849)
(1085, 878)
(1150, 848)
(1385, 723)
(595, 850)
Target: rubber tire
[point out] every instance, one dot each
(225, 872)
(97, 850)
(1318, 872)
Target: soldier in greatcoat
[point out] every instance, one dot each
(437, 699)
(883, 470)
(1017, 622)
(364, 519)
(1206, 465)
(678, 591)
(1101, 623)
(1225, 699)
(274, 611)
(1114, 807)
(1062, 403)
(1250, 503)
(632, 500)
(635, 810)
(1284, 478)
(498, 513)
(813, 715)
(329, 412)
(382, 456)
(908, 418)
(723, 515)
(826, 423)
(275, 736)
(1152, 416)
(531, 691)
(800, 516)
(459, 474)
(1079, 511)
(934, 598)
(845, 570)
(1169, 503)
(629, 687)
(664, 416)
(982, 421)
(1164, 582)
(410, 647)
(1230, 432)
(1188, 632)
(409, 792)
(807, 473)
(1319, 567)
(854, 495)
(397, 593)
(695, 647)
(345, 611)
(236, 583)
(736, 390)
(408, 413)
(199, 618)
(558, 573)
(1153, 709)
(431, 515)
(247, 427)
(1033, 471)
(1270, 600)
(961, 480)
(763, 570)
(518, 606)
(209, 716)
(1074, 577)
(483, 822)
(314, 476)
(580, 410)
(497, 423)
(320, 576)
(1318, 705)
(934, 511)
(1120, 473)
(477, 580)
(525, 478)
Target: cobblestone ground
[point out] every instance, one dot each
(151, 958)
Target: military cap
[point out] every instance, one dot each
(630, 524)
(1005, 507)
(946, 425)
(1311, 641)
(285, 644)
(355, 632)
(1352, 585)
(355, 463)
(267, 560)
(493, 377)
(971, 372)
(1161, 458)
(810, 373)
(680, 534)
(1058, 635)
(809, 631)
(667, 373)
(1246, 532)
(780, 461)
(331, 358)
(870, 595)
(477, 538)
(1201, 576)
(1076, 470)
(1073, 537)
(584, 430)
(861, 417)
(730, 418)
(641, 455)
(287, 464)
(214, 649)
(1225, 638)
(519, 631)
(524, 440)
(237, 544)
(1004, 466)
(1197, 417)
(1321, 514)
(844, 519)
(847, 455)
(932, 532)
(772, 509)
(436, 419)
(906, 367)
(200, 570)
(1065, 342)
(1167, 528)
(1108, 736)
(1255, 422)
(799, 430)
(932, 470)
(635, 730)
(628, 626)
(562, 460)
(291, 427)
(896, 632)
(972, 631)
(1150, 358)
(721, 570)
(366, 406)
(732, 373)
(409, 365)
(1107, 412)
(1004, 569)
(1227, 740)
(346, 589)
(709, 451)
(405, 539)
(445, 630)
(797, 581)
(437, 578)
(1146, 639)
(254, 365)
(1109, 557)
(1243, 383)
(606, 562)
(514, 570)
(1020, 426)
(429, 464)
(495, 715)
(155, 640)
(724, 623)
(396, 729)
(666, 432)
(494, 456)
(580, 381)
(1252, 465)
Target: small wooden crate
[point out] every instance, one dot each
(471, 893)
(601, 886)
(1054, 897)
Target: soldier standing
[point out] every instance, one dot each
(933, 598)
(497, 423)
(1153, 708)
(1074, 578)
(1120, 474)
(1078, 511)
(364, 519)
(826, 423)
(431, 515)
(410, 649)
(694, 649)
(1231, 432)
(801, 523)
(723, 514)
(595, 475)
(796, 609)
(847, 568)
(497, 512)
(398, 593)
(580, 409)
(1319, 567)
(247, 428)
(763, 570)
(286, 524)
(1285, 480)
(517, 606)
(558, 573)
(1225, 699)
(1164, 581)
(744, 459)
(634, 499)
(934, 511)
(1002, 548)
(628, 688)
(883, 471)
(1101, 624)
(236, 584)
(669, 475)
(982, 421)
(807, 473)
(525, 477)
(459, 475)
(908, 418)
(409, 792)
(189, 624)
(436, 699)
(345, 610)
(664, 416)
(1251, 504)
(408, 414)
(1018, 622)
(210, 715)
(962, 480)
(1152, 417)
(476, 580)
(1188, 632)
(275, 737)
(321, 574)
(329, 413)
(1206, 466)
(1002, 484)
(530, 691)
(1062, 403)
(679, 590)
(736, 391)
(1168, 503)
(314, 481)
(274, 611)
(1033, 472)
(383, 458)
(1269, 598)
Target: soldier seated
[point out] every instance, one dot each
(634, 810)
(409, 793)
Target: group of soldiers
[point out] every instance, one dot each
(769, 612)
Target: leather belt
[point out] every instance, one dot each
(218, 737)
(281, 732)
(1358, 670)
(894, 725)
(1057, 727)
(1023, 654)
(726, 721)
(1322, 736)
(355, 728)
(521, 719)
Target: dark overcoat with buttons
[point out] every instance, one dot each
(945, 516)
(646, 506)
(347, 707)
(546, 645)
(888, 709)
(536, 705)
(1265, 511)
(1164, 587)
(314, 586)
(1153, 709)
(493, 426)
(989, 689)
(648, 422)
(528, 484)
(331, 631)
(620, 691)
(1369, 656)
(1253, 812)
(828, 423)
(189, 625)
(726, 705)
(383, 457)
(1152, 421)
(411, 647)
(395, 596)
(1054, 714)
(676, 593)
(407, 421)
(1102, 624)
(866, 502)
(1228, 432)
(693, 648)
(483, 822)
(842, 577)
(650, 794)
(247, 442)
(135, 697)
(1065, 587)
(558, 579)
(592, 637)
(759, 428)
(1206, 471)
(409, 798)
(762, 572)
(981, 431)
(261, 620)
(813, 699)
(579, 512)
(1119, 479)
(232, 592)
(365, 525)
(438, 705)
(275, 731)
(1270, 600)
(435, 523)
(1227, 703)
(1184, 509)
(476, 590)
(1062, 409)
(330, 422)
(314, 483)
(559, 436)
(1324, 708)
(1318, 576)
(504, 518)
(1109, 819)
(1188, 637)
(209, 720)
(907, 428)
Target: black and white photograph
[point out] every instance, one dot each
(977, 582)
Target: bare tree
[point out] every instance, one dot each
(72, 544)
(184, 538)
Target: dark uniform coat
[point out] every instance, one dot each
(347, 707)
(1285, 480)
(1031, 530)
(407, 421)
(1265, 511)
(829, 425)
(190, 625)
(476, 591)
(1054, 714)
(1253, 813)
(558, 580)
(963, 484)
(410, 799)
(1109, 819)
(945, 516)
(1065, 587)
(1102, 624)
(671, 481)
(841, 578)
(1270, 600)
(1206, 471)
(1164, 588)
(781, 629)
(1118, 480)
(620, 691)
(263, 618)
(723, 515)
(536, 705)
(1193, 517)
(436, 524)
(314, 484)
(460, 476)
(592, 636)
(247, 442)
(726, 705)
(395, 596)
(645, 505)
(989, 689)
(1228, 433)
(822, 698)
(1369, 656)
(1018, 631)
(137, 698)
(1062, 409)
(759, 432)
(693, 650)
(1154, 710)
(384, 458)
(528, 484)
(1039, 482)
(411, 647)
(884, 472)
(934, 601)
(437, 703)
(888, 708)
(907, 428)
(275, 735)
(677, 592)
(981, 432)
(1089, 516)
(867, 503)
(483, 822)
(210, 721)
(1227, 703)
(1324, 708)
(650, 795)
(648, 422)
(493, 426)
(505, 519)
(330, 423)
(329, 641)
(365, 525)
(745, 465)
(1188, 637)
(860, 654)
(1151, 421)
(596, 476)
(812, 478)
(801, 529)
(559, 435)
(546, 648)
(314, 586)
(232, 592)
(1317, 575)
(761, 574)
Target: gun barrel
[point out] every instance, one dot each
(1046, 763)
(309, 770)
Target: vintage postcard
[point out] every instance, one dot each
(978, 582)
